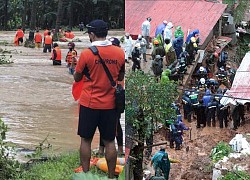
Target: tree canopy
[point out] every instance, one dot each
(43, 14)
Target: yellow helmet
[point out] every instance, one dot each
(193, 39)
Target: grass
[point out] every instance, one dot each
(59, 168)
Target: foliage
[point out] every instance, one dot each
(239, 175)
(143, 92)
(9, 168)
(220, 150)
(147, 103)
(240, 10)
(18, 13)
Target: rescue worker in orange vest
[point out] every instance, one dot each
(19, 36)
(56, 55)
(71, 58)
(47, 42)
(69, 34)
(45, 33)
(38, 39)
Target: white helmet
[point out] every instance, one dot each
(202, 80)
(139, 36)
(201, 69)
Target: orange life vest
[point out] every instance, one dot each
(19, 33)
(71, 35)
(70, 55)
(58, 54)
(48, 40)
(38, 38)
(66, 34)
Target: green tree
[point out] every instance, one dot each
(147, 103)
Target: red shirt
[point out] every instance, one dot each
(98, 93)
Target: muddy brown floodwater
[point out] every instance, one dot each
(35, 97)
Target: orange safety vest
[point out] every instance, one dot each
(66, 34)
(48, 40)
(71, 35)
(38, 38)
(58, 54)
(19, 33)
(70, 55)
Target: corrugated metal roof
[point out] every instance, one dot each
(241, 84)
(189, 14)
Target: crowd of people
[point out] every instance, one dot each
(201, 101)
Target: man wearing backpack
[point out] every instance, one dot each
(157, 67)
(97, 100)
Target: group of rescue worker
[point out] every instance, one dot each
(53, 48)
(210, 81)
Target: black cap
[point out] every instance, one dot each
(114, 41)
(97, 26)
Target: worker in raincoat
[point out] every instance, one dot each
(145, 28)
(128, 47)
(168, 31)
(160, 28)
(177, 44)
(178, 32)
(161, 163)
(143, 48)
(195, 34)
(158, 50)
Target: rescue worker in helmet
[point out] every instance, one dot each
(158, 50)
(192, 49)
(212, 84)
(223, 77)
(136, 57)
(71, 58)
(143, 48)
(222, 110)
(201, 73)
(202, 84)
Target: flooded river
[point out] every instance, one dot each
(36, 100)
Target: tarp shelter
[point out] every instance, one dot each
(241, 84)
(189, 14)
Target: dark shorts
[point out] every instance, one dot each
(20, 40)
(105, 120)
